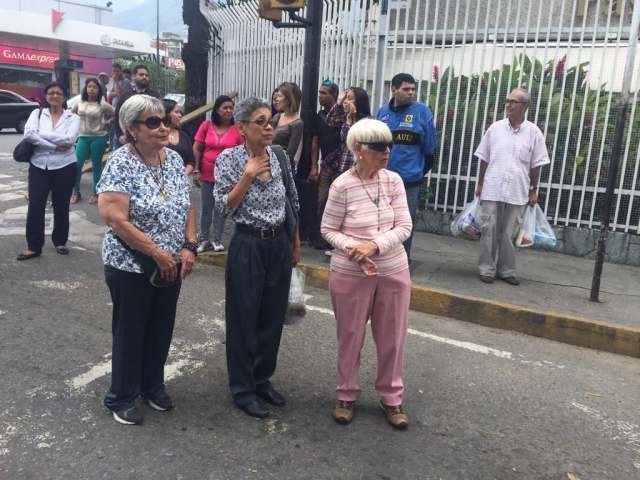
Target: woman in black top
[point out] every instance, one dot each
(178, 140)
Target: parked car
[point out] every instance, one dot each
(176, 97)
(14, 110)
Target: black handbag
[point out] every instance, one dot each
(150, 267)
(291, 215)
(24, 150)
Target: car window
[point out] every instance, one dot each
(6, 97)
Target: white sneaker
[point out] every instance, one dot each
(204, 246)
(217, 247)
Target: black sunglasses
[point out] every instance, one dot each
(153, 123)
(378, 146)
(260, 121)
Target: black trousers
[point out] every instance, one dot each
(142, 327)
(60, 183)
(257, 291)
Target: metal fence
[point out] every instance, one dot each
(467, 55)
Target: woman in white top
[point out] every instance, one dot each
(95, 116)
(54, 131)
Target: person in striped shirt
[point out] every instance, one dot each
(366, 219)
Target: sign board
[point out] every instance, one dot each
(69, 63)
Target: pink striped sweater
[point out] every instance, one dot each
(351, 217)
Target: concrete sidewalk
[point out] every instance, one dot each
(551, 302)
(549, 281)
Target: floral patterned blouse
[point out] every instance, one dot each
(162, 217)
(263, 205)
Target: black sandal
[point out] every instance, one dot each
(62, 250)
(27, 256)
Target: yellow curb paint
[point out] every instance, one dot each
(582, 332)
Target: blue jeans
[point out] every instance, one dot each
(209, 214)
(413, 197)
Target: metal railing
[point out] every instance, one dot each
(467, 55)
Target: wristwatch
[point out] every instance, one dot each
(191, 246)
(533, 189)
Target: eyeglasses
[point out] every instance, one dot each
(55, 93)
(378, 146)
(261, 122)
(511, 101)
(153, 123)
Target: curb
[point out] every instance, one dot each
(579, 331)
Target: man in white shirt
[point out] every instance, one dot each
(512, 153)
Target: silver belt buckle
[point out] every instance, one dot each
(264, 233)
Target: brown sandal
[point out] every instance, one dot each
(75, 197)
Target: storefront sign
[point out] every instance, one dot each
(45, 59)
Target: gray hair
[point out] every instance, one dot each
(526, 96)
(135, 106)
(245, 108)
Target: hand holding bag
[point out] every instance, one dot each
(150, 267)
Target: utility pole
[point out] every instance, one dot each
(618, 138)
(311, 71)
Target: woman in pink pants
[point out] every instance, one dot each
(366, 220)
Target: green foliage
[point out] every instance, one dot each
(578, 120)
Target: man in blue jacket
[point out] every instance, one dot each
(414, 140)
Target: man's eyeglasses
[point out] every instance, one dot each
(513, 102)
(378, 146)
(153, 123)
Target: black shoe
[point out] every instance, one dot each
(160, 401)
(255, 409)
(510, 280)
(128, 416)
(26, 256)
(272, 396)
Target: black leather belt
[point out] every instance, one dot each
(270, 233)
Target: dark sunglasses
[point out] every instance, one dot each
(378, 146)
(153, 123)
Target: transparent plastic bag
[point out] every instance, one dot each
(467, 223)
(535, 230)
(544, 235)
(296, 309)
(527, 228)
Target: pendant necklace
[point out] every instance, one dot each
(158, 176)
(375, 201)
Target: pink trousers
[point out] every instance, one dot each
(386, 301)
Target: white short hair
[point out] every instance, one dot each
(135, 106)
(368, 130)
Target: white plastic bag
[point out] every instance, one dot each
(467, 223)
(527, 228)
(544, 236)
(296, 309)
(535, 230)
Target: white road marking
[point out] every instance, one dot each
(10, 196)
(94, 373)
(615, 429)
(326, 311)
(473, 347)
(2, 175)
(12, 185)
(2, 312)
(56, 285)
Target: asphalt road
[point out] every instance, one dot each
(484, 404)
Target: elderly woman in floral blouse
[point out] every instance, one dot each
(144, 199)
(254, 186)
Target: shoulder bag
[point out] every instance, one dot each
(287, 178)
(25, 149)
